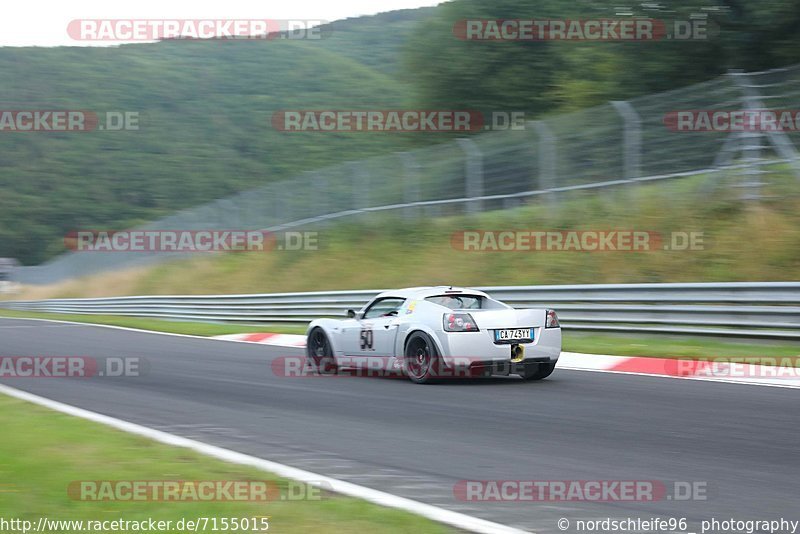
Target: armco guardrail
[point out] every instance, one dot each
(757, 310)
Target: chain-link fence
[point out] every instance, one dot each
(607, 146)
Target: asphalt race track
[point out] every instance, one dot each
(418, 441)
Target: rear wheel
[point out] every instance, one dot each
(537, 370)
(421, 359)
(319, 353)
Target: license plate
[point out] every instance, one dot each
(513, 334)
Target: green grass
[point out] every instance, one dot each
(662, 346)
(742, 242)
(42, 451)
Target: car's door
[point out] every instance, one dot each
(376, 329)
(349, 337)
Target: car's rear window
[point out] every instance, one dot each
(458, 302)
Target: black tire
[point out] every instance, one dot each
(319, 353)
(537, 371)
(421, 359)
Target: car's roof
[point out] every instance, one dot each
(429, 291)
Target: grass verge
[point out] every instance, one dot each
(742, 241)
(43, 451)
(666, 346)
(158, 325)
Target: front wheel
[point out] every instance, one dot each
(537, 370)
(421, 360)
(319, 353)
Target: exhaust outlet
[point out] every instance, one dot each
(517, 353)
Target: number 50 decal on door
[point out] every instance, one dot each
(366, 339)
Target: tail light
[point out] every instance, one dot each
(552, 320)
(459, 322)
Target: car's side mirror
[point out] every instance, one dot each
(351, 314)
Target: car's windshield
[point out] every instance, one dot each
(458, 302)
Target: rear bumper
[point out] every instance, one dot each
(477, 349)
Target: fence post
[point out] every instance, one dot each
(320, 199)
(725, 155)
(283, 211)
(474, 173)
(228, 213)
(277, 212)
(631, 139)
(411, 186)
(547, 157)
(751, 141)
(360, 187)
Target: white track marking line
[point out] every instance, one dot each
(37, 326)
(456, 519)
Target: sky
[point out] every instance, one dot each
(44, 23)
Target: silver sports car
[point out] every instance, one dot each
(430, 333)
